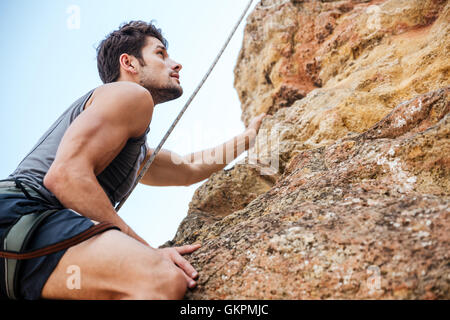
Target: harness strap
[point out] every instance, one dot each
(16, 239)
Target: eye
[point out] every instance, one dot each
(161, 53)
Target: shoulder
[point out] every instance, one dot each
(124, 101)
(124, 92)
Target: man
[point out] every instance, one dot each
(82, 167)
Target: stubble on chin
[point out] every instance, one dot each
(165, 94)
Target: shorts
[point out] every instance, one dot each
(47, 243)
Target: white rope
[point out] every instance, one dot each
(172, 127)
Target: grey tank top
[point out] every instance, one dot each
(116, 180)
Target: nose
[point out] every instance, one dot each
(176, 66)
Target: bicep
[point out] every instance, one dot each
(100, 132)
(91, 142)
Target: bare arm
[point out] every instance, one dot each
(171, 169)
(95, 138)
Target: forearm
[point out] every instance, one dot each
(215, 159)
(87, 198)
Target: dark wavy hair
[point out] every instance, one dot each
(130, 38)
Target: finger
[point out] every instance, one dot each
(190, 282)
(257, 119)
(186, 267)
(188, 249)
(260, 119)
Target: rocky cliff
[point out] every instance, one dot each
(357, 203)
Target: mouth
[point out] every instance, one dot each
(175, 75)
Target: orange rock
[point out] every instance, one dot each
(358, 94)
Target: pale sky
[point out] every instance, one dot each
(49, 61)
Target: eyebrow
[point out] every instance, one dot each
(161, 47)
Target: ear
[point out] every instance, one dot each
(128, 63)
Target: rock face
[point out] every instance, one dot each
(358, 93)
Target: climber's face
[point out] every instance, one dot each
(160, 74)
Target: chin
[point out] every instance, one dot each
(180, 91)
(176, 92)
(169, 94)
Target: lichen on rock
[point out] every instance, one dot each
(358, 96)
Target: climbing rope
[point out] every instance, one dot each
(172, 127)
